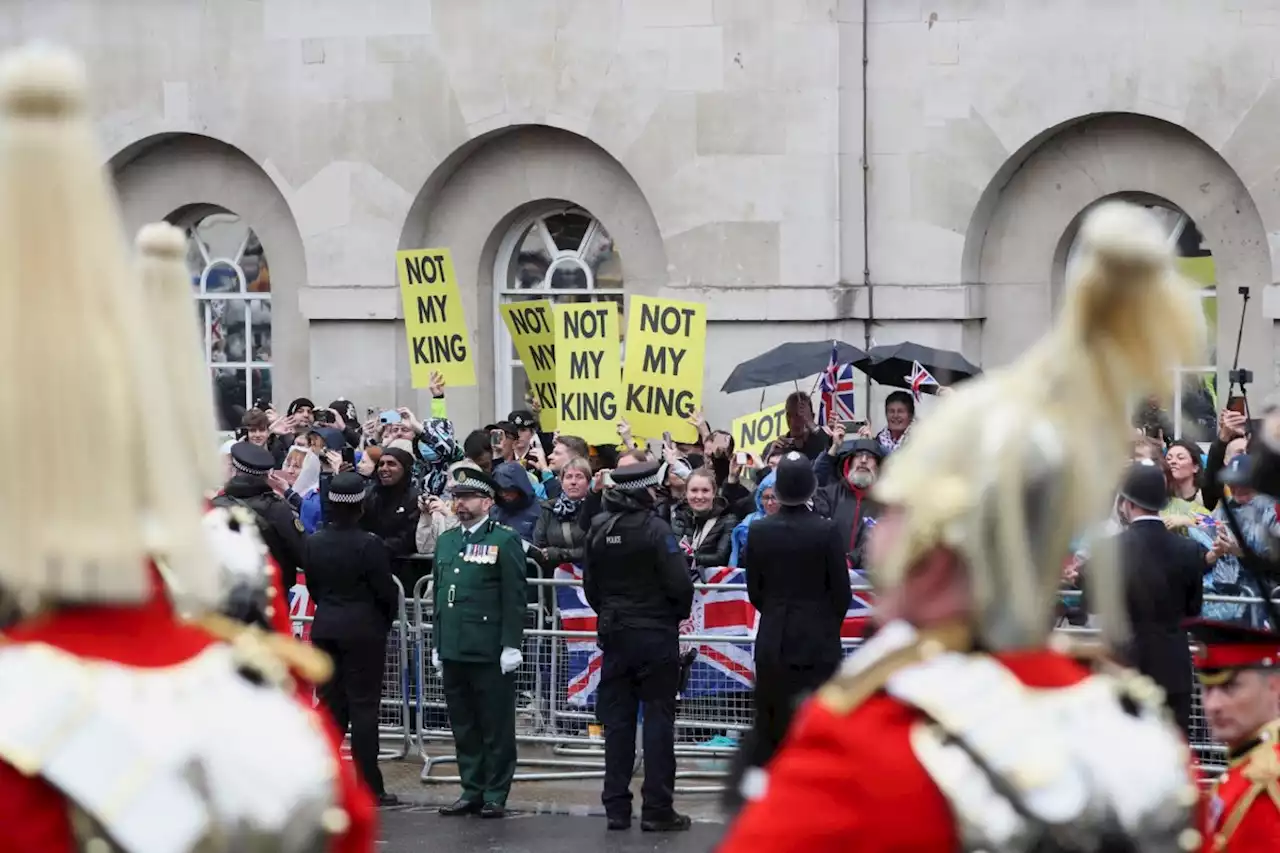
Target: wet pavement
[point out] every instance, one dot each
(409, 829)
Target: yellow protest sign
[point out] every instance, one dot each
(534, 335)
(433, 321)
(666, 340)
(588, 376)
(753, 432)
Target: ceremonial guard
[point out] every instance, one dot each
(478, 624)
(124, 727)
(958, 725)
(1239, 672)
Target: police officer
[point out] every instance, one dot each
(479, 621)
(637, 580)
(248, 488)
(349, 578)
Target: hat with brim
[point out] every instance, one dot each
(473, 481)
(1238, 472)
(251, 460)
(795, 482)
(347, 488)
(1144, 486)
(636, 478)
(506, 426)
(1222, 649)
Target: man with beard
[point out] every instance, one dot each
(845, 477)
(479, 623)
(637, 580)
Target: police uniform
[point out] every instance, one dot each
(978, 732)
(248, 489)
(1243, 809)
(479, 604)
(636, 579)
(126, 725)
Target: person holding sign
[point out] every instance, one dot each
(666, 340)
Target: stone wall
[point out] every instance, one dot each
(721, 142)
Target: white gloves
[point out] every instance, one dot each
(435, 659)
(510, 660)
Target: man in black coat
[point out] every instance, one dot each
(846, 473)
(1163, 575)
(248, 488)
(391, 509)
(636, 579)
(799, 582)
(349, 578)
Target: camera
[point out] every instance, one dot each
(1240, 377)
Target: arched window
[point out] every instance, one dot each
(1192, 411)
(563, 254)
(232, 286)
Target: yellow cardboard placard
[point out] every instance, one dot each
(588, 375)
(753, 432)
(433, 321)
(533, 332)
(666, 343)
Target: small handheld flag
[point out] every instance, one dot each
(836, 391)
(919, 378)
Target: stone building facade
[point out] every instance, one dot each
(883, 169)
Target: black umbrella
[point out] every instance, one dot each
(787, 363)
(891, 364)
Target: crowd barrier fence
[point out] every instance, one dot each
(553, 712)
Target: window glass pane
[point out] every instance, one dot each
(260, 312)
(257, 274)
(260, 387)
(227, 330)
(221, 278)
(1199, 406)
(567, 229)
(529, 266)
(230, 396)
(603, 258)
(569, 275)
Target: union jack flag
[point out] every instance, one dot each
(919, 378)
(301, 606)
(836, 389)
(718, 668)
(855, 618)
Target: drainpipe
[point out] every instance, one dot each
(866, 206)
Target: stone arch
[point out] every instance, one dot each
(1017, 239)
(486, 185)
(180, 176)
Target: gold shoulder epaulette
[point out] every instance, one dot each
(844, 693)
(1263, 766)
(847, 691)
(273, 656)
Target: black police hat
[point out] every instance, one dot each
(636, 478)
(1222, 649)
(471, 481)
(523, 419)
(795, 482)
(506, 426)
(1145, 486)
(347, 488)
(251, 459)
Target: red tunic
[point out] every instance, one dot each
(852, 782)
(34, 816)
(1238, 819)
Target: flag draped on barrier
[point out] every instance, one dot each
(301, 605)
(719, 667)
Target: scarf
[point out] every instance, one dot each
(887, 442)
(566, 508)
(437, 449)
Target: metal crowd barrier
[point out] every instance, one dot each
(395, 724)
(551, 714)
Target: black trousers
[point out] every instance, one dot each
(779, 689)
(639, 667)
(353, 697)
(482, 713)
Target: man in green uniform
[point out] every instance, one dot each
(479, 621)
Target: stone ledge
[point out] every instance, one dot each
(848, 302)
(350, 303)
